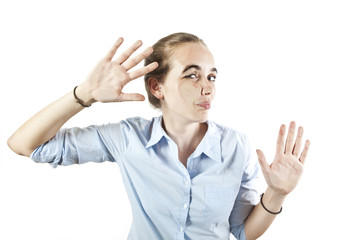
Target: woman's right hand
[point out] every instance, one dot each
(104, 84)
(108, 78)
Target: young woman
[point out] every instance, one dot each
(186, 177)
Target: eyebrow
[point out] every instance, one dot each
(197, 67)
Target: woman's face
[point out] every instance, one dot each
(189, 86)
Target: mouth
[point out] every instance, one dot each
(204, 105)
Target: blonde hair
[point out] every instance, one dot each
(162, 52)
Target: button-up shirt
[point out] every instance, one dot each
(209, 198)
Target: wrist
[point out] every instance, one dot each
(83, 96)
(273, 200)
(274, 194)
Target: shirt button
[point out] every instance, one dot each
(181, 229)
(185, 206)
(186, 183)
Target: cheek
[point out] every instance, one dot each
(189, 92)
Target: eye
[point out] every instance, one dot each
(212, 78)
(192, 76)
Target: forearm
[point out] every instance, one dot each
(103, 84)
(259, 219)
(43, 125)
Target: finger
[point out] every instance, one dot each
(130, 97)
(263, 164)
(280, 141)
(125, 55)
(135, 60)
(305, 152)
(142, 71)
(289, 145)
(114, 48)
(298, 142)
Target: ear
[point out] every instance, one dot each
(155, 88)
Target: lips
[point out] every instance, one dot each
(205, 105)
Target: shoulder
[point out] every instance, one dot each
(139, 126)
(136, 122)
(126, 126)
(227, 133)
(234, 147)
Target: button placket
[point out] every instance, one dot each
(184, 210)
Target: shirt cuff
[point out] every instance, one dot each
(239, 232)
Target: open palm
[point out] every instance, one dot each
(284, 173)
(109, 76)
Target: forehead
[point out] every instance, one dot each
(192, 53)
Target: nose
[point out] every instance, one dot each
(207, 88)
(206, 91)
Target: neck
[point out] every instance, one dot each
(186, 134)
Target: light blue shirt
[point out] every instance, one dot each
(207, 200)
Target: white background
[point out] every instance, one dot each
(278, 61)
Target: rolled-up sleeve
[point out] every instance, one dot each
(247, 197)
(81, 145)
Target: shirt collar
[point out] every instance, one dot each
(157, 132)
(209, 145)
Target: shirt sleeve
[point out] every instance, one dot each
(82, 145)
(248, 195)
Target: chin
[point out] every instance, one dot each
(202, 117)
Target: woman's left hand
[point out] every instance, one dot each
(284, 173)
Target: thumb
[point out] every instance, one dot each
(262, 160)
(130, 97)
